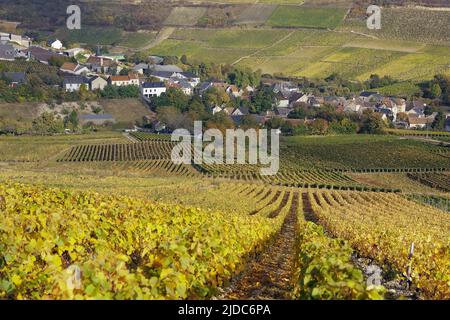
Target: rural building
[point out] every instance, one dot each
(141, 68)
(282, 100)
(72, 68)
(153, 89)
(234, 91)
(97, 83)
(100, 64)
(96, 119)
(168, 75)
(7, 52)
(416, 122)
(40, 54)
(165, 68)
(74, 83)
(18, 39)
(119, 81)
(15, 78)
(368, 96)
(55, 44)
(73, 52)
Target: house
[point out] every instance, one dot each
(286, 88)
(24, 42)
(182, 85)
(74, 83)
(72, 68)
(96, 119)
(416, 108)
(234, 91)
(167, 75)
(164, 68)
(283, 112)
(97, 83)
(282, 100)
(73, 52)
(7, 52)
(229, 110)
(15, 78)
(116, 57)
(420, 122)
(55, 44)
(369, 96)
(130, 80)
(141, 68)
(314, 102)
(298, 97)
(241, 111)
(386, 114)
(205, 86)
(40, 54)
(353, 105)
(100, 64)
(153, 89)
(216, 109)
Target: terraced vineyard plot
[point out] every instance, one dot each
(288, 175)
(255, 14)
(119, 152)
(295, 16)
(185, 16)
(440, 181)
(351, 63)
(142, 136)
(383, 227)
(165, 167)
(382, 153)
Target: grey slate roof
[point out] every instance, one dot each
(75, 80)
(41, 54)
(7, 52)
(153, 85)
(17, 77)
(96, 117)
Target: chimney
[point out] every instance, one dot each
(101, 62)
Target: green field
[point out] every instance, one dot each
(294, 16)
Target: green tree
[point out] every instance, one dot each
(439, 122)
(72, 120)
(435, 91)
(372, 123)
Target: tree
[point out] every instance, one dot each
(435, 91)
(372, 122)
(439, 122)
(319, 127)
(220, 121)
(72, 120)
(47, 123)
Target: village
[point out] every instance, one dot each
(85, 70)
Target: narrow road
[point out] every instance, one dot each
(270, 275)
(162, 35)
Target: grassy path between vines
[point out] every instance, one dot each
(270, 275)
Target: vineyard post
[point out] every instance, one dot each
(409, 267)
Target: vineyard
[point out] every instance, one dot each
(120, 152)
(147, 250)
(379, 226)
(439, 181)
